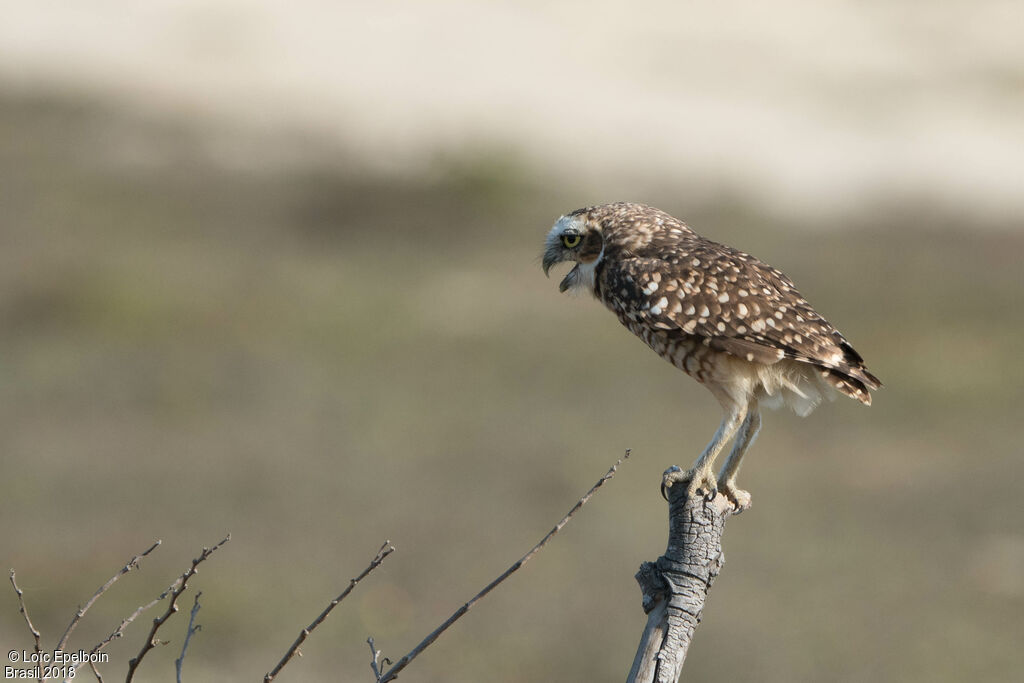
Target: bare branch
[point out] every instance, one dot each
(119, 631)
(24, 612)
(132, 564)
(404, 661)
(192, 628)
(675, 587)
(385, 550)
(376, 660)
(175, 591)
(96, 671)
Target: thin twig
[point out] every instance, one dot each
(24, 612)
(119, 631)
(385, 550)
(192, 628)
(132, 564)
(176, 589)
(376, 660)
(404, 661)
(96, 671)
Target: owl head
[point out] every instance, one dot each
(580, 240)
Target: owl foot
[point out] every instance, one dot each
(739, 498)
(699, 480)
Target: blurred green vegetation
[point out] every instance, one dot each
(315, 357)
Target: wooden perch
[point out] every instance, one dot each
(676, 585)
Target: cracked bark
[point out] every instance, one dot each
(676, 585)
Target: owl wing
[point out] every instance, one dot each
(731, 301)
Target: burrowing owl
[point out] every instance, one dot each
(735, 324)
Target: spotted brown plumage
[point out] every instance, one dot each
(730, 321)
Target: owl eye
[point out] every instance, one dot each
(571, 239)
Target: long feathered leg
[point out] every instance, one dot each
(744, 439)
(701, 475)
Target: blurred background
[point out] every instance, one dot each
(273, 270)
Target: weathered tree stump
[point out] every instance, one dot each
(676, 585)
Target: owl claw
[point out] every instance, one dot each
(698, 480)
(671, 476)
(739, 498)
(702, 480)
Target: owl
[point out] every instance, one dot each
(733, 323)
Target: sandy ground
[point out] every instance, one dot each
(809, 105)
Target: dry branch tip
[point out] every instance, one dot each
(176, 589)
(133, 563)
(192, 629)
(24, 612)
(385, 549)
(393, 672)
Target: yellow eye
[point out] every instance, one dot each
(571, 239)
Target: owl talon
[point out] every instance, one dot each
(671, 476)
(697, 481)
(739, 498)
(702, 480)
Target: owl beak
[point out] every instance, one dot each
(551, 257)
(569, 279)
(554, 255)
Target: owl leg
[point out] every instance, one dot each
(744, 438)
(701, 476)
